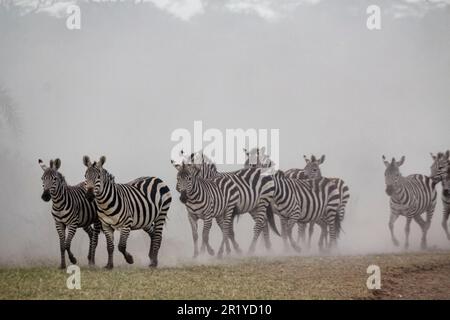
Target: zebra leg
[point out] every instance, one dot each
(423, 226)
(93, 233)
(301, 232)
(71, 229)
(311, 231)
(266, 236)
(407, 229)
(89, 231)
(445, 221)
(205, 235)
(109, 235)
(290, 226)
(124, 233)
(194, 227)
(284, 233)
(233, 240)
(156, 239)
(392, 220)
(220, 222)
(258, 217)
(61, 229)
(323, 240)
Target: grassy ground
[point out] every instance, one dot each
(403, 276)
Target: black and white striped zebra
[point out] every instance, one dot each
(208, 199)
(439, 173)
(255, 191)
(410, 196)
(140, 204)
(306, 201)
(70, 209)
(312, 171)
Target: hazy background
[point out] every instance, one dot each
(136, 72)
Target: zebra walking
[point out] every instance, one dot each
(410, 196)
(207, 199)
(312, 171)
(306, 201)
(255, 191)
(140, 204)
(440, 173)
(257, 157)
(70, 210)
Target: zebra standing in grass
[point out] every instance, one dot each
(439, 173)
(139, 204)
(410, 197)
(207, 199)
(255, 191)
(71, 211)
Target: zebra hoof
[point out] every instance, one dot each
(91, 263)
(73, 260)
(153, 264)
(62, 266)
(396, 243)
(423, 246)
(210, 251)
(129, 259)
(109, 266)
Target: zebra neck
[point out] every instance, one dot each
(108, 197)
(59, 197)
(400, 191)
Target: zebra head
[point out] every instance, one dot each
(51, 178)
(312, 168)
(94, 177)
(392, 174)
(257, 157)
(439, 167)
(186, 174)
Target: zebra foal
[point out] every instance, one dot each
(70, 210)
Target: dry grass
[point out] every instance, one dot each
(406, 276)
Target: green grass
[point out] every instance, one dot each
(250, 278)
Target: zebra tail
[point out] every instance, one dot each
(270, 218)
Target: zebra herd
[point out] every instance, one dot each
(297, 196)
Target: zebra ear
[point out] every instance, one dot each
(306, 158)
(101, 162)
(87, 161)
(313, 158)
(57, 163)
(386, 163)
(176, 166)
(402, 160)
(447, 154)
(262, 150)
(41, 163)
(432, 156)
(246, 151)
(322, 159)
(51, 164)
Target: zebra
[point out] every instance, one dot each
(255, 190)
(70, 210)
(312, 171)
(410, 196)
(306, 201)
(207, 199)
(439, 173)
(140, 204)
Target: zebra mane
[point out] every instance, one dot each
(108, 175)
(61, 178)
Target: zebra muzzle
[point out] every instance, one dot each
(90, 194)
(46, 196)
(183, 197)
(389, 190)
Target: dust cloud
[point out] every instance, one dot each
(133, 74)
